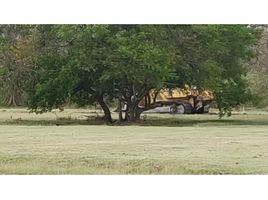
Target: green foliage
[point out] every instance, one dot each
(231, 87)
(51, 90)
(258, 85)
(138, 62)
(16, 61)
(93, 62)
(87, 64)
(214, 54)
(70, 68)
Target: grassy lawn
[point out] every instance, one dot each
(161, 144)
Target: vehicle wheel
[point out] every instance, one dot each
(204, 109)
(177, 109)
(173, 109)
(188, 109)
(200, 111)
(180, 109)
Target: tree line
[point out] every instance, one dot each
(46, 66)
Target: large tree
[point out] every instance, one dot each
(207, 56)
(72, 66)
(142, 61)
(90, 63)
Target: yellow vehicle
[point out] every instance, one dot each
(181, 100)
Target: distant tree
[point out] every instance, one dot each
(258, 70)
(16, 61)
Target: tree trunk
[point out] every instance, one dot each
(132, 117)
(138, 113)
(133, 111)
(120, 112)
(106, 110)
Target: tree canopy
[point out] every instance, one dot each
(86, 64)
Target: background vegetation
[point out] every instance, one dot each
(48, 66)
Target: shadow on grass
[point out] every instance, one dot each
(153, 121)
(197, 123)
(57, 122)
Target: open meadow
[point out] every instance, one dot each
(76, 142)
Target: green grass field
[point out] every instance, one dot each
(73, 142)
